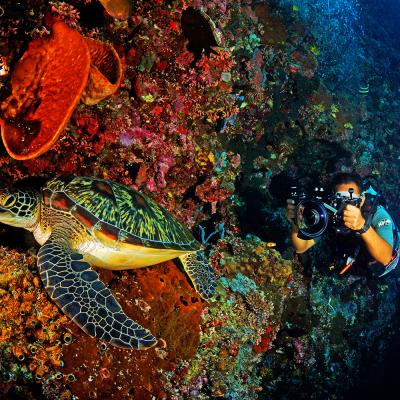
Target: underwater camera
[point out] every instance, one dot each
(314, 212)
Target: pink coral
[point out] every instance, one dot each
(300, 351)
(165, 162)
(66, 13)
(132, 135)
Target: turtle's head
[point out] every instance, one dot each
(19, 208)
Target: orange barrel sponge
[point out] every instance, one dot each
(47, 84)
(121, 9)
(105, 72)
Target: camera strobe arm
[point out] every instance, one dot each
(330, 208)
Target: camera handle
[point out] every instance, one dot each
(369, 214)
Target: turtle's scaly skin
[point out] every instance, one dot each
(83, 221)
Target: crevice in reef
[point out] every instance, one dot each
(198, 32)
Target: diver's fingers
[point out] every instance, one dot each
(290, 202)
(348, 213)
(350, 207)
(350, 221)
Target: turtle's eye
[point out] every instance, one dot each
(10, 201)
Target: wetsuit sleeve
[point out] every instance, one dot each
(383, 225)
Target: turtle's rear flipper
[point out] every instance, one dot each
(78, 291)
(200, 272)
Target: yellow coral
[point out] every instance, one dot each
(320, 108)
(348, 125)
(30, 324)
(315, 50)
(203, 159)
(334, 110)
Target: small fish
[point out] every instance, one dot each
(315, 50)
(364, 89)
(271, 244)
(293, 68)
(235, 229)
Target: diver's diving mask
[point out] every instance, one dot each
(347, 195)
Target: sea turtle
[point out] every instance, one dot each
(80, 221)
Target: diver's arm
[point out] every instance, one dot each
(378, 247)
(300, 245)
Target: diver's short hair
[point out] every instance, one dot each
(346, 177)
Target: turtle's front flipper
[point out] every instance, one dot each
(200, 272)
(78, 291)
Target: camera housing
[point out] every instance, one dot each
(339, 202)
(316, 211)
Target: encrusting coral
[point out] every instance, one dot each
(240, 326)
(32, 329)
(214, 112)
(38, 343)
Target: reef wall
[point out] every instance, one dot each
(212, 108)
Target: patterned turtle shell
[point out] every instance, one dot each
(118, 213)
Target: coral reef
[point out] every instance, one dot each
(161, 299)
(330, 340)
(38, 344)
(239, 327)
(32, 328)
(220, 107)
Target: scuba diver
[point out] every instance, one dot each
(360, 232)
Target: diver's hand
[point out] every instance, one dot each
(290, 209)
(352, 217)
